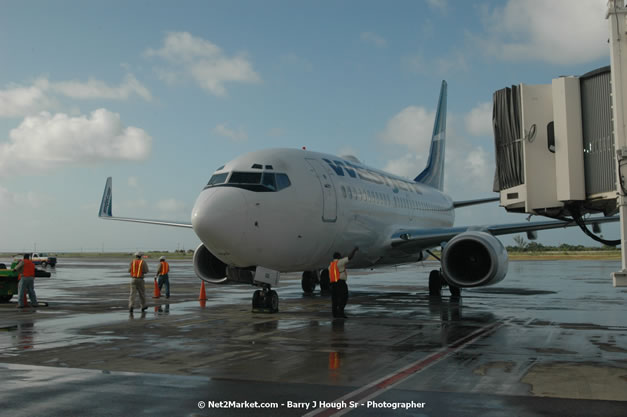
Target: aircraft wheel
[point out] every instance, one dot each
(257, 299)
(435, 283)
(3, 266)
(308, 282)
(273, 301)
(325, 284)
(44, 263)
(455, 291)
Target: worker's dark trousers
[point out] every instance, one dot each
(164, 280)
(339, 297)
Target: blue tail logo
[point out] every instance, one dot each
(105, 204)
(433, 174)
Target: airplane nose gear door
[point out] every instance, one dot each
(329, 199)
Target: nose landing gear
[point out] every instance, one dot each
(265, 300)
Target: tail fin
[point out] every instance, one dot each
(433, 174)
(105, 204)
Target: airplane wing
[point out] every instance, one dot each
(419, 239)
(465, 203)
(106, 211)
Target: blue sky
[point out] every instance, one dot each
(159, 94)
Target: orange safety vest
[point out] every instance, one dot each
(136, 268)
(164, 268)
(29, 268)
(334, 272)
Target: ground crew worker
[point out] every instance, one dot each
(26, 269)
(162, 275)
(138, 268)
(337, 278)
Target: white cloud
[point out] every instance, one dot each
(93, 89)
(182, 46)
(373, 38)
(170, 205)
(46, 141)
(469, 168)
(202, 61)
(17, 101)
(479, 120)
(238, 135)
(408, 166)
(556, 31)
(412, 127)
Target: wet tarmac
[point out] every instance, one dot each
(549, 340)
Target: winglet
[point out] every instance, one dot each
(105, 205)
(433, 174)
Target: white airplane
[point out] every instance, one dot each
(289, 210)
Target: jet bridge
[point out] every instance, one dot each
(561, 148)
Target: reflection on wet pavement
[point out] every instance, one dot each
(561, 332)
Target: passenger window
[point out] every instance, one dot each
(282, 181)
(343, 191)
(350, 193)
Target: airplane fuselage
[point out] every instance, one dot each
(291, 209)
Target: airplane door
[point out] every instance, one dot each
(329, 199)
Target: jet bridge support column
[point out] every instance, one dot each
(617, 19)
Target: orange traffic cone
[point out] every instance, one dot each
(157, 292)
(203, 293)
(334, 360)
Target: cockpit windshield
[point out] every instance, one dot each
(218, 178)
(252, 181)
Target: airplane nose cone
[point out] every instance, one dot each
(219, 217)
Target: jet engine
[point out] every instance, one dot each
(474, 259)
(208, 267)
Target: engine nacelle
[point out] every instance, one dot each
(474, 259)
(208, 267)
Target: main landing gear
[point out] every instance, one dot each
(265, 300)
(437, 281)
(311, 278)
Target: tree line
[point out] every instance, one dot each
(524, 246)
